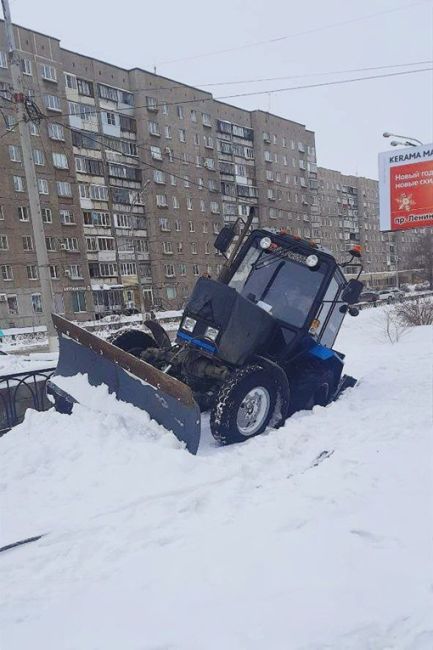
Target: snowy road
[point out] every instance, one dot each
(242, 548)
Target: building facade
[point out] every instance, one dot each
(138, 173)
(349, 214)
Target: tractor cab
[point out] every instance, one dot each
(280, 288)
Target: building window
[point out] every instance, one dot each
(85, 88)
(37, 303)
(23, 213)
(56, 131)
(141, 246)
(27, 243)
(153, 128)
(42, 186)
(50, 243)
(169, 270)
(63, 187)
(194, 248)
(214, 207)
(38, 157)
(195, 269)
(151, 103)
(161, 201)
(180, 247)
(12, 304)
(180, 111)
(32, 272)
(47, 216)
(122, 221)
(109, 118)
(67, 218)
(34, 129)
(15, 153)
(189, 203)
(6, 272)
(155, 152)
(167, 132)
(178, 225)
(54, 271)
(74, 271)
(60, 161)
(71, 244)
(4, 245)
(158, 176)
(26, 67)
(128, 268)
(3, 60)
(206, 119)
(78, 301)
(182, 269)
(105, 243)
(167, 247)
(182, 135)
(176, 204)
(48, 72)
(164, 225)
(52, 103)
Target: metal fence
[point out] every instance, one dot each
(407, 298)
(20, 391)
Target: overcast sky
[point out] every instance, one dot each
(181, 38)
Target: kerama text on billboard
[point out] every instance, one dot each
(406, 188)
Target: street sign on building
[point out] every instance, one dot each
(406, 188)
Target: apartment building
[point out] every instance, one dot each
(349, 214)
(137, 175)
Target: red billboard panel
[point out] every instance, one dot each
(406, 188)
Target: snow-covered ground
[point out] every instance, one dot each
(11, 363)
(248, 547)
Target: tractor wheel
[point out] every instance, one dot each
(244, 405)
(132, 341)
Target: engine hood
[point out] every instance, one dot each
(244, 328)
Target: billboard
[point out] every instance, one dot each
(406, 188)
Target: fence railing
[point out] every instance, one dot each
(20, 391)
(407, 298)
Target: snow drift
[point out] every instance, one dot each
(270, 544)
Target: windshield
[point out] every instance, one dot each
(284, 287)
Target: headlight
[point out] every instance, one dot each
(211, 333)
(312, 261)
(265, 243)
(189, 324)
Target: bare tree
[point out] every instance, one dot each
(415, 312)
(421, 256)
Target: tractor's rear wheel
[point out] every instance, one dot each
(244, 406)
(133, 341)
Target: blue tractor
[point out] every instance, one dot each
(253, 346)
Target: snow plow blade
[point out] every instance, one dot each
(167, 400)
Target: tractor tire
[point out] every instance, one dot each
(317, 385)
(133, 341)
(244, 405)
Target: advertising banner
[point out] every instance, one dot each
(406, 188)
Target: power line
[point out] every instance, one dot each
(182, 178)
(313, 30)
(265, 92)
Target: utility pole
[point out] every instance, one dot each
(31, 179)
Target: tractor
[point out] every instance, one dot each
(254, 345)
